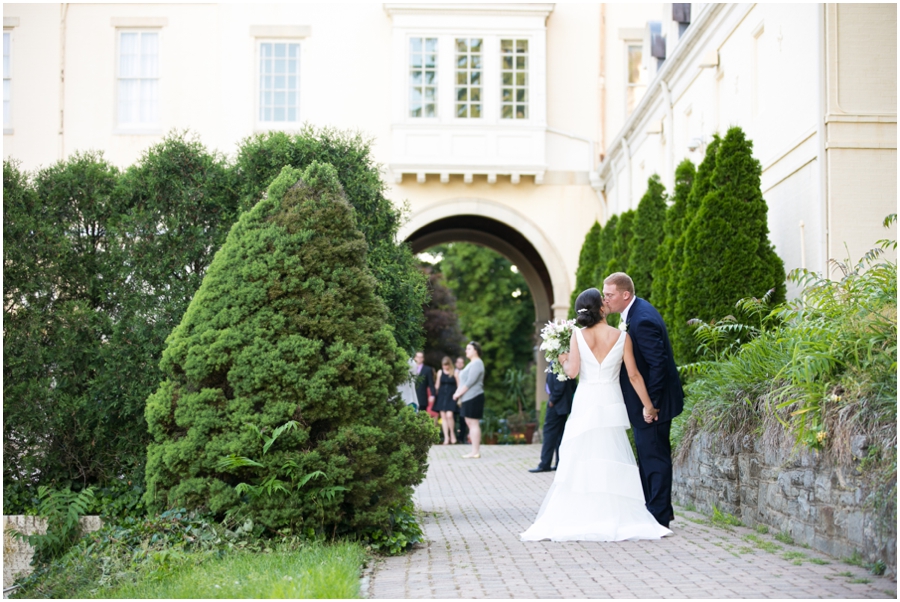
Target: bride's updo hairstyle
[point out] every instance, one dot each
(589, 308)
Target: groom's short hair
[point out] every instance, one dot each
(621, 281)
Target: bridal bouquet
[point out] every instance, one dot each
(556, 336)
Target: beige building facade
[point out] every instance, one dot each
(814, 86)
(512, 125)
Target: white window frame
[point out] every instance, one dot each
(515, 87)
(628, 85)
(260, 123)
(482, 101)
(138, 127)
(8, 125)
(437, 80)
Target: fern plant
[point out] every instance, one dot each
(63, 511)
(284, 480)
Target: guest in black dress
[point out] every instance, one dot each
(446, 384)
(462, 435)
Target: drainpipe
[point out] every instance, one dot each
(669, 178)
(64, 10)
(626, 150)
(602, 136)
(821, 133)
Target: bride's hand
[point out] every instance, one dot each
(650, 414)
(563, 358)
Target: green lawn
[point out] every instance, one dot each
(313, 572)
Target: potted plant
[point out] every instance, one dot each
(490, 428)
(522, 423)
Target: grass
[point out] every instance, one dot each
(818, 561)
(785, 538)
(860, 580)
(723, 519)
(762, 529)
(311, 572)
(762, 544)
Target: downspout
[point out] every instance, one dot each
(602, 136)
(64, 10)
(821, 133)
(670, 136)
(628, 176)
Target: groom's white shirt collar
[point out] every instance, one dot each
(624, 315)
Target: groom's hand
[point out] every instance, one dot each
(651, 415)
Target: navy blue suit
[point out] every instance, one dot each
(561, 395)
(655, 361)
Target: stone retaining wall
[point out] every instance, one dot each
(17, 553)
(802, 493)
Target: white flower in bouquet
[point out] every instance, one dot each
(556, 337)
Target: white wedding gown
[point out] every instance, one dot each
(596, 494)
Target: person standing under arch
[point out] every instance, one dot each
(471, 396)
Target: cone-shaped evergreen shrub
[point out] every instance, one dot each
(727, 253)
(647, 235)
(281, 377)
(587, 264)
(674, 224)
(605, 252)
(679, 330)
(618, 261)
(398, 280)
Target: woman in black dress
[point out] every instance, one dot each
(446, 384)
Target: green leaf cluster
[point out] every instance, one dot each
(100, 265)
(647, 235)
(588, 260)
(286, 332)
(727, 253)
(62, 511)
(496, 309)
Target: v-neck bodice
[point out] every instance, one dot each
(600, 371)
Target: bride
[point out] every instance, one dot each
(596, 494)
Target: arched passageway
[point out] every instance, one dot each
(425, 231)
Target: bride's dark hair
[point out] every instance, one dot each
(589, 308)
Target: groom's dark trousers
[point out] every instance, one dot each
(559, 407)
(655, 362)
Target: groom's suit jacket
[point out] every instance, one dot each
(656, 363)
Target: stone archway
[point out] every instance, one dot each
(512, 235)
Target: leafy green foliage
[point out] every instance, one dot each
(286, 327)
(647, 234)
(822, 366)
(443, 336)
(398, 281)
(404, 531)
(664, 268)
(727, 253)
(618, 261)
(680, 331)
(587, 265)
(495, 308)
(605, 249)
(62, 510)
(100, 266)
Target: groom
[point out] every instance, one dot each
(653, 356)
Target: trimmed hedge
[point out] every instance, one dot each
(647, 234)
(587, 264)
(284, 368)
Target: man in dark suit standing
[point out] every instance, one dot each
(424, 382)
(559, 406)
(655, 361)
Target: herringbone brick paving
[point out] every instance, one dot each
(474, 510)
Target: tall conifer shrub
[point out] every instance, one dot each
(621, 251)
(679, 329)
(398, 280)
(647, 235)
(605, 249)
(674, 224)
(727, 253)
(587, 264)
(285, 358)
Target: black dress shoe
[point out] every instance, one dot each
(538, 469)
(554, 468)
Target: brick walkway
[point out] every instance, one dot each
(474, 511)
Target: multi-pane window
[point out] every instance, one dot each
(468, 77)
(279, 81)
(636, 86)
(514, 79)
(138, 78)
(7, 80)
(423, 77)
